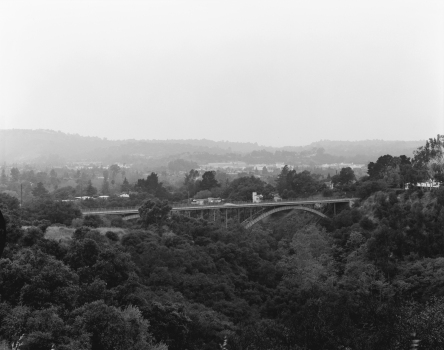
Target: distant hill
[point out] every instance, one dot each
(364, 151)
(57, 148)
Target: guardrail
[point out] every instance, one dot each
(224, 204)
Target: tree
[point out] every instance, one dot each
(40, 191)
(3, 177)
(346, 176)
(208, 181)
(92, 221)
(377, 170)
(114, 170)
(2, 233)
(125, 186)
(203, 194)
(281, 181)
(105, 187)
(15, 174)
(111, 328)
(44, 208)
(152, 186)
(53, 178)
(429, 159)
(241, 189)
(190, 182)
(154, 212)
(64, 192)
(90, 189)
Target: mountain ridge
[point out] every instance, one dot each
(26, 145)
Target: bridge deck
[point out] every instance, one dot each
(177, 207)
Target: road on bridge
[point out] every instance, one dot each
(178, 207)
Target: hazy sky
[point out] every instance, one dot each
(273, 72)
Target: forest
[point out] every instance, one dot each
(370, 277)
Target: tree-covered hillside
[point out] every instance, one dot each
(57, 148)
(370, 277)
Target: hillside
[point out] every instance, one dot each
(57, 148)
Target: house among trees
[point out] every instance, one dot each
(257, 198)
(329, 184)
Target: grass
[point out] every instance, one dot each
(59, 233)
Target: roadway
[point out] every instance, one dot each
(177, 207)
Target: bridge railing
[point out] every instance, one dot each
(89, 210)
(220, 204)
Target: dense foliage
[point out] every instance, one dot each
(366, 278)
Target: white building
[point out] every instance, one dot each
(257, 198)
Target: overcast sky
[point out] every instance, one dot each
(273, 72)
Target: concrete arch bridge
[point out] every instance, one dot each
(245, 213)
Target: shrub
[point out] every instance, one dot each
(112, 236)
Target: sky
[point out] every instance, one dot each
(272, 72)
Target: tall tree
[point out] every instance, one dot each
(377, 170)
(346, 176)
(429, 159)
(114, 170)
(15, 174)
(125, 186)
(105, 184)
(53, 178)
(2, 233)
(281, 181)
(40, 191)
(154, 212)
(208, 181)
(105, 187)
(3, 177)
(190, 182)
(90, 189)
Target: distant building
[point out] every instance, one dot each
(257, 198)
(329, 184)
(428, 184)
(214, 200)
(277, 198)
(199, 201)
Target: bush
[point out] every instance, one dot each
(365, 189)
(77, 222)
(328, 192)
(117, 221)
(92, 221)
(112, 236)
(80, 233)
(32, 236)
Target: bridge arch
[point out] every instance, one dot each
(275, 210)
